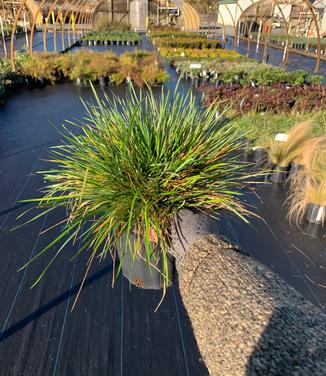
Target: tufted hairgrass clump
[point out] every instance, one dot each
(135, 162)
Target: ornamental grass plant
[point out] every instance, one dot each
(132, 165)
(282, 153)
(308, 185)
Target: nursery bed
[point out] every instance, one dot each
(296, 61)
(111, 331)
(118, 49)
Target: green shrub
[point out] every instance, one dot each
(196, 53)
(40, 65)
(88, 65)
(198, 42)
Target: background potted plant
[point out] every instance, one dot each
(308, 185)
(41, 66)
(281, 152)
(104, 65)
(78, 66)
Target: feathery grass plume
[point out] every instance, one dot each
(136, 162)
(308, 186)
(283, 153)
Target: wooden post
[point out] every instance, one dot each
(12, 40)
(46, 25)
(33, 25)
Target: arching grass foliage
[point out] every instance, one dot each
(133, 164)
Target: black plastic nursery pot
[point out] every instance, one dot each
(139, 273)
(102, 81)
(315, 213)
(259, 154)
(279, 174)
(294, 168)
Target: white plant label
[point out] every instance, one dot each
(281, 137)
(195, 66)
(320, 213)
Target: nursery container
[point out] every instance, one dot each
(295, 167)
(315, 213)
(101, 81)
(259, 154)
(279, 174)
(139, 273)
(28, 82)
(40, 82)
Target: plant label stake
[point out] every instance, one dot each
(320, 214)
(281, 137)
(195, 66)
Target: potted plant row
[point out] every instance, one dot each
(248, 71)
(84, 66)
(174, 54)
(199, 42)
(112, 37)
(277, 98)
